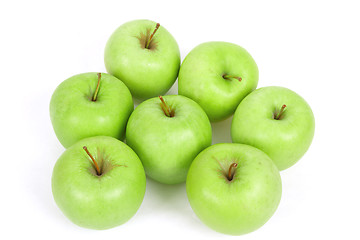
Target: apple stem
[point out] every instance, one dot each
(97, 88)
(228, 77)
(92, 158)
(230, 175)
(166, 109)
(282, 110)
(152, 35)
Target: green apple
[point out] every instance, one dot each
(145, 56)
(276, 120)
(167, 134)
(233, 188)
(99, 182)
(218, 75)
(90, 104)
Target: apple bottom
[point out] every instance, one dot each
(233, 188)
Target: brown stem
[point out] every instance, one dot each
(166, 109)
(282, 110)
(228, 77)
(92, 158)
(230, 175)
(152, 35)
(97, 88)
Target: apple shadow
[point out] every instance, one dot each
(221, 131)
(168, 200)
(160, 196)
(44, 150)
(136, 102)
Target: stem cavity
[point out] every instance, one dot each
(230, 173)
(229, 77)
(147, 44)
(98, 172)
(279, 115)
(97, 88)
(166, 108)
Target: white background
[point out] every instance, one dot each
(311, 47)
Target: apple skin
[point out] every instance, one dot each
(99, 202)
(75, 116)
(285, 140)
(201, 77)
(241, 205)
(167, 145)
(146, 72)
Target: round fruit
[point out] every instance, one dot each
(276, 120)
(78, 110)
(218, 75)
(145, 56)
(233, 188)
(167, 140)
(98, 183)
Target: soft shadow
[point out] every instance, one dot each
(171, 200)
(44, 150)
(136, 101)
(221, 131)
(163, 196)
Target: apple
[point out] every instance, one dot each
(233, 188)
(99, 182)
(276, 120)
(167, 133)
(145, 56)
(218, 75)
(90, 104)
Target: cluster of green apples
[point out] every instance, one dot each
(99, 181)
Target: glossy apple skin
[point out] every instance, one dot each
(285, 140)
(241, 205)
(75, 116)
(201, 77)
(167, 146)
(98, 202)
(146, 72)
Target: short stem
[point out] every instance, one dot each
(228, 77)
(152, 35)
(230, 175)
(97, 88)
(166, 109)
(282, 110)
(92, 158)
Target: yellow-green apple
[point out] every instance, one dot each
(90, 104)
(145, 56)
(233, 188)
(98, 182)
(167, 133)
(276, 120)
(218, 75)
